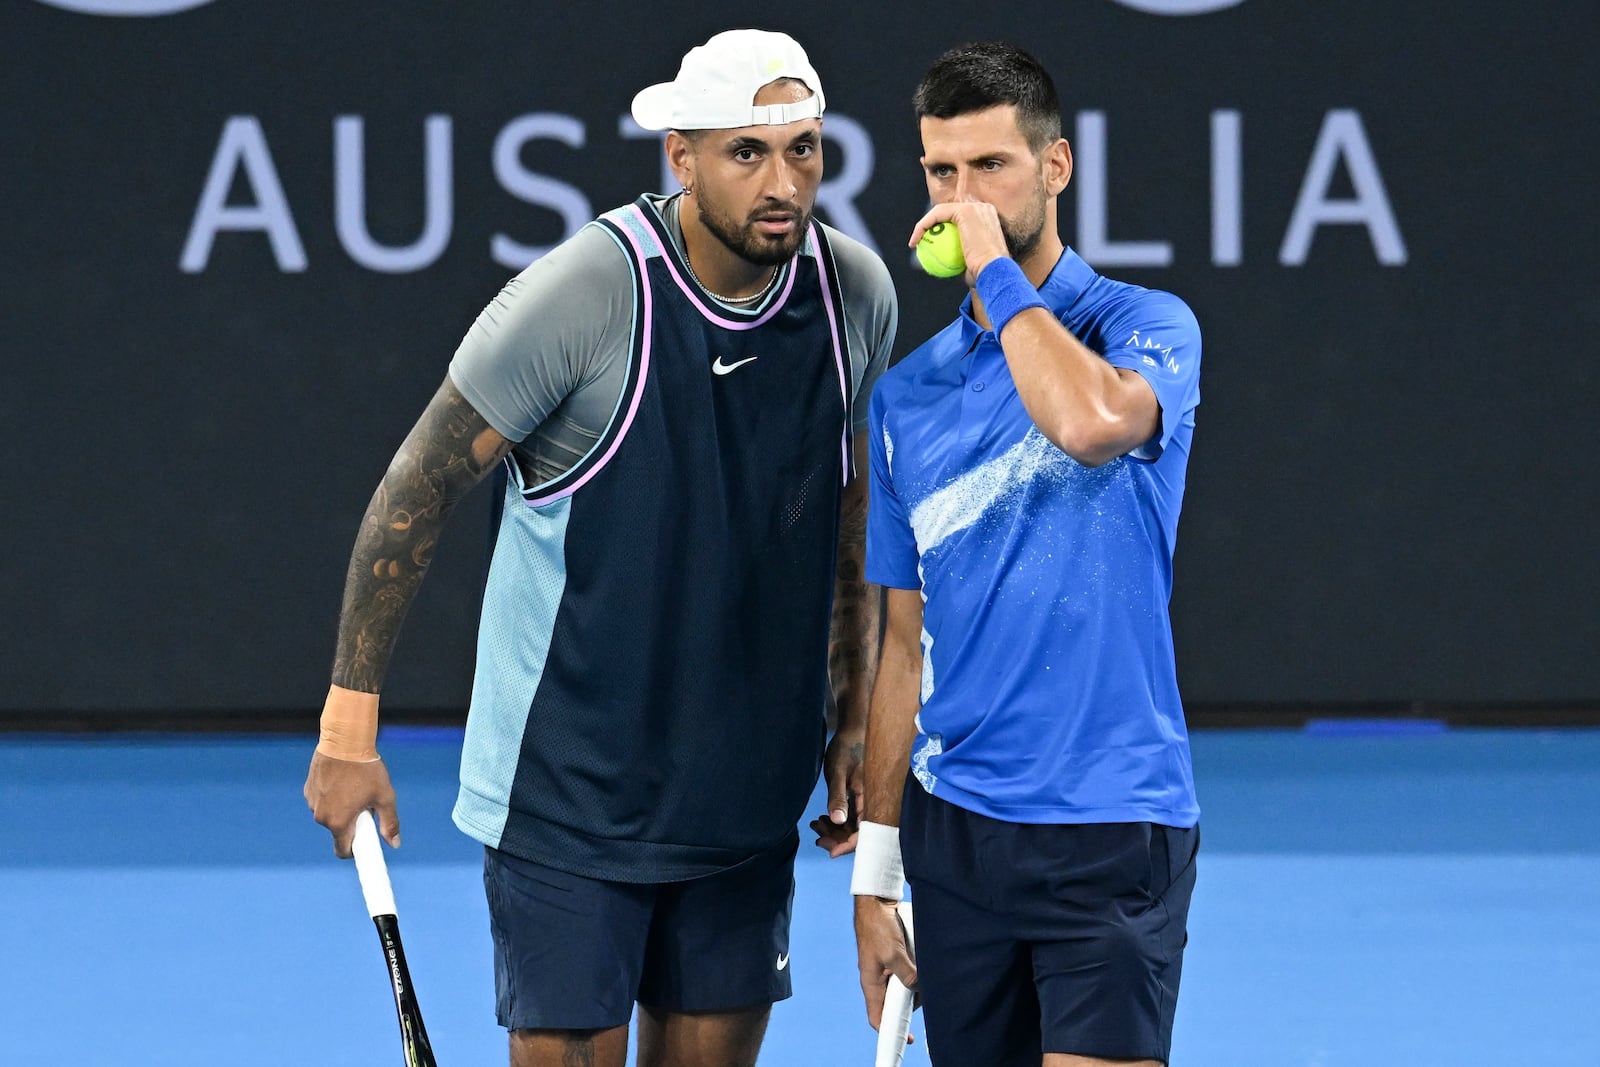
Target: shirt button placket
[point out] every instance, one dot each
(974, 408)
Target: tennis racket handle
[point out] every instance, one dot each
(894, 1025)
(903, 911)
(370, 867)
(897, 1004)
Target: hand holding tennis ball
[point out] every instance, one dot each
(939, 251)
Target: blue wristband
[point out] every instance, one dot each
(1005, 291)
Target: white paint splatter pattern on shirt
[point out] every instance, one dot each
(931, 745)
(954, 507)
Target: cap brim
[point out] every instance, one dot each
(652, 107)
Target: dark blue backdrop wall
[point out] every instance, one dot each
(241, 241)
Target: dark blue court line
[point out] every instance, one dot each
(142, 800)
(421, 735)
(1375, 727)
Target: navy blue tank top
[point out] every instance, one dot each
(652, 672)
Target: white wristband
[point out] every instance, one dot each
(877, 871)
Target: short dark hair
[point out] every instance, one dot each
(984, 74)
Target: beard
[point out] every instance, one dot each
(1024, 233)
(749, 243)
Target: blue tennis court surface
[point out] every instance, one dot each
(1364, 899)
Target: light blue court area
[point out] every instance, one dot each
(1364, 900)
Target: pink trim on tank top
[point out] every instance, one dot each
(638, 390)
(838, 359)
(693, 292)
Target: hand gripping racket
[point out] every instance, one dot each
(897, 1003)
(379, 895)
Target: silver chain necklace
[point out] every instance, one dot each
(735, 300)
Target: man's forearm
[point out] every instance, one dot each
(853, 641)
(891, 729)
(1086, 407)
(449, 451)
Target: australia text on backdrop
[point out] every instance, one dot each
(243, 160)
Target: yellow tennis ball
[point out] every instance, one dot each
(939, 251)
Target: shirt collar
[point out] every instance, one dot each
(1067, 281)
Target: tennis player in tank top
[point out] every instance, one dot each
(676, 393)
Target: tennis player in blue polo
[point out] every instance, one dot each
(1026, 751)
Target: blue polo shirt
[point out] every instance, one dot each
(1049, 690)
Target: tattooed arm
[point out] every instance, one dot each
(449, 451)
(852, 663)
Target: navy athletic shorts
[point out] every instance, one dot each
(1045, 938)
(575, 953)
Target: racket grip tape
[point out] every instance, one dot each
(894, 1026)
(898, 1002)
(370, 868)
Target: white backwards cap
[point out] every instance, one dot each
(719, 79)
